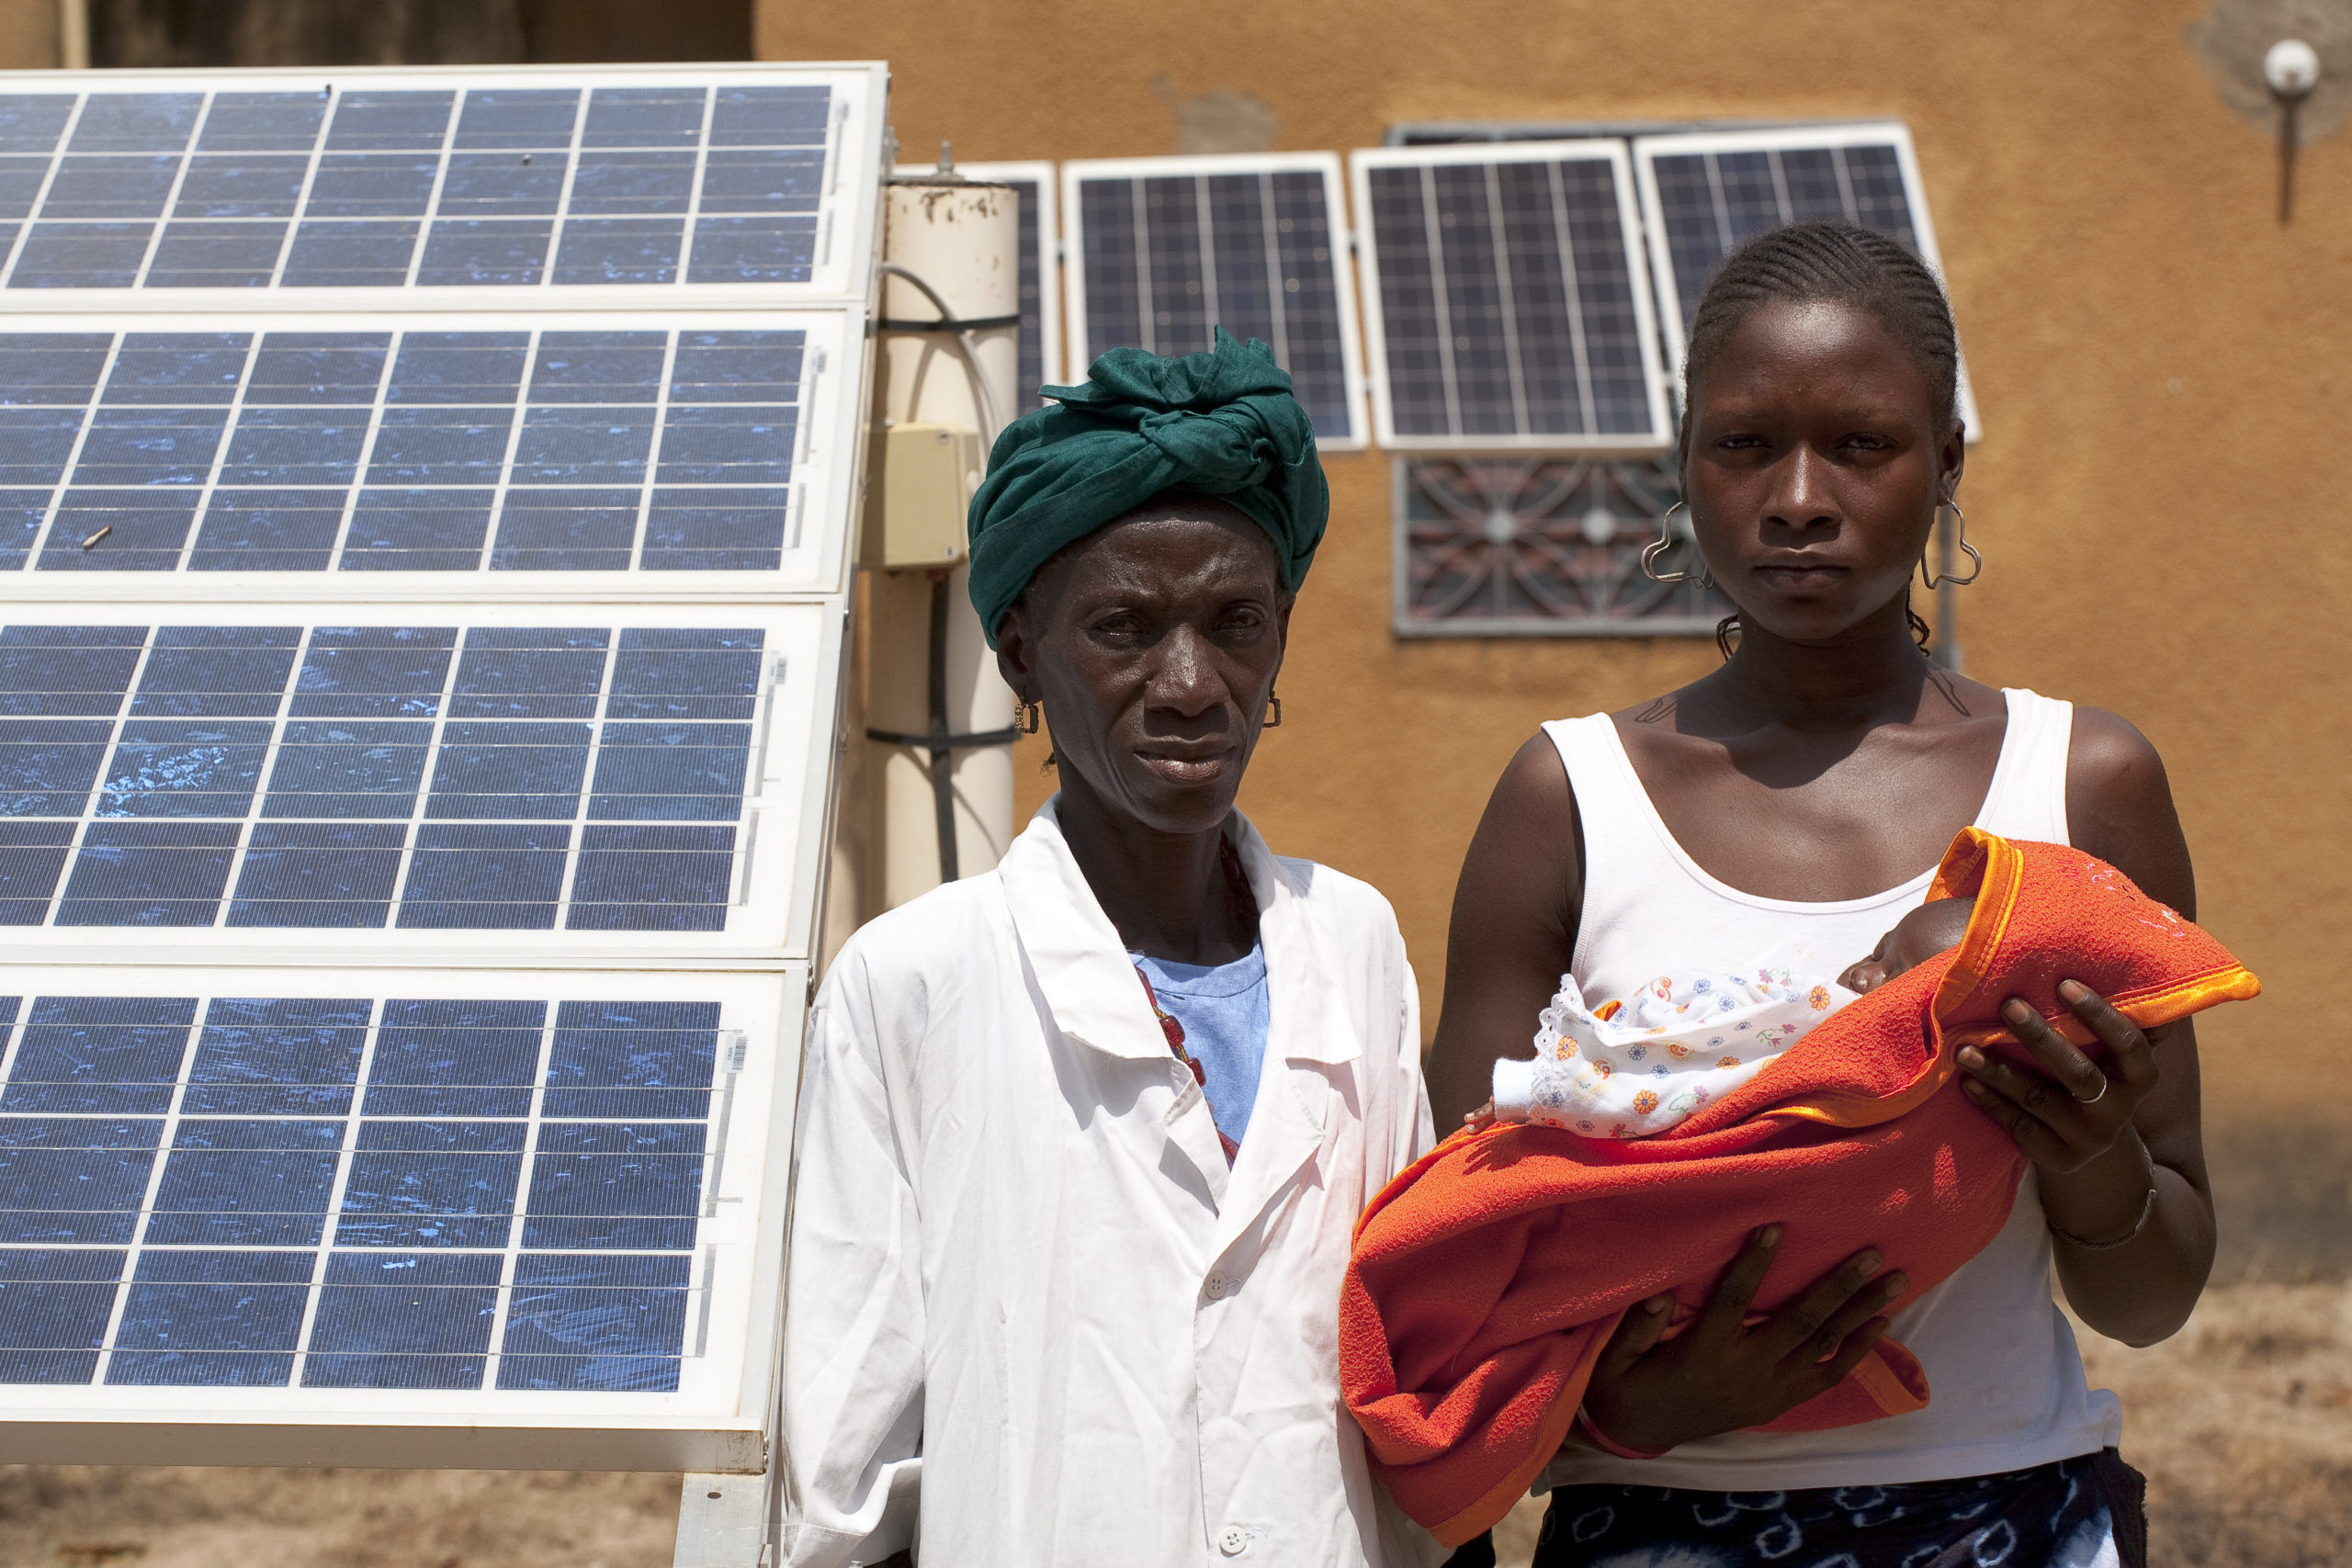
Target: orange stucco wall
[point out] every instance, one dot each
(2162, 368)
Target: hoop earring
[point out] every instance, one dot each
(1029, 720)
(1273, 713)
(1959, 538)
(1667, 539)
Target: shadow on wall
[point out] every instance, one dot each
(2282, 1197)
(161, 33)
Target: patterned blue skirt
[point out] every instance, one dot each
(2077, 1513)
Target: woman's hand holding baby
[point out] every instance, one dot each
(2064, 1120)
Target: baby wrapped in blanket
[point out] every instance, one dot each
(1487, 1276)
(1634, 1067)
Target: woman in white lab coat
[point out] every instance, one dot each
(1082, 1139)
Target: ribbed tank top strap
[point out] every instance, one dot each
(2026, 798)
(1630, 871)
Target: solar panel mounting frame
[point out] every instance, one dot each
(1363, 162)
(1082, 351)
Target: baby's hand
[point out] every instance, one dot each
(1478, 1120)
(1927, 930)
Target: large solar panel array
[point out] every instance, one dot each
(573, 445)
(1164, 249)
(1505, 299)
(1705, 194)
(419, 184)
(423, 541)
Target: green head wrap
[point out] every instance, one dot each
(1222, 424)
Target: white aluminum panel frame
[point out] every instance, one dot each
(848, 216)
(1361, 164)
(783, 834)
(720, 1419)
(827, 476)
(1791, 139)
(1076, 172)
(1039, 172)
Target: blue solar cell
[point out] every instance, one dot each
(440, 447)
(643, 116)
(348, 769)
(531, 672)
(518, 117)
(467, 252)
(565, 530)
(318, 875)
(652, 879)
(81, 255)
(118, 186)
(619, 250)
(349, 253)
(769, 116)
(35, 444)
(432, 1184)
(120, 530)
(150, 446)
(20, 182)
(149, 873)
(615, 1329)
(213, 1319)
(598, 367)
(636, 184)
(54, 1304)
(22, 512)
(602, 1184)
(500, 772)
(418, 530)
(48, 767)
(690, 530)
(216, 671)
(73, 1180)
(684, 673)
(737, 368)
(318, 368)
(295, 446)
(374, 672)
(240, 1183)
(456, 1058)
(178, 369)
(752, 250)
(32, 857)
(216, 255)
(730, 444)
(99, 1055)
(567, 444)
(651, 1060)
(377, 117)
(31, 122)
(263, 530)
(760, 181)
(485, 878)
(277, 1057)
(484, 184)
(670, 772)
(183, 768)
(258, 122)
(67, 670)
(52, 368)
(459, 367)
(136, 122)
(403, 1320)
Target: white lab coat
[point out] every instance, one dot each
(1031, 1317)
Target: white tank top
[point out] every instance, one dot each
(2005, 1383)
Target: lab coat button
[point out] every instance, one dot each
(1233, 1540)
(1214, 1288)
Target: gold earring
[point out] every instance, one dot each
(1273, 712)
(1029, 720)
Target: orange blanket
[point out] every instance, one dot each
(1489, 1274)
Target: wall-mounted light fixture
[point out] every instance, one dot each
(2291, 70)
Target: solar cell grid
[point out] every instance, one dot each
(1507, 304)
(454, 1193)
(558, 450)
(369, 777)
(1169, 249)
(376, 185)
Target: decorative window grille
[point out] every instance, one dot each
(1541, 546)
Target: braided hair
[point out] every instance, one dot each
(1801, 263)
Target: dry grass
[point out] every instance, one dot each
(2242, 1422)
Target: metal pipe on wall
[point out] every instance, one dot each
(952, 255)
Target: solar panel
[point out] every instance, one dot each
(688, 180)
(1505, 300)
(543, 1212)
(693, 448)
(1706, 194)
(1041, 272)
(576, 781)
(1164, 249)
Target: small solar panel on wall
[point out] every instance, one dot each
(1505, 301)
(1163, 250)
(1041, 270)
(1707, 193)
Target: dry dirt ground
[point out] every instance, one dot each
(2242, 1422)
